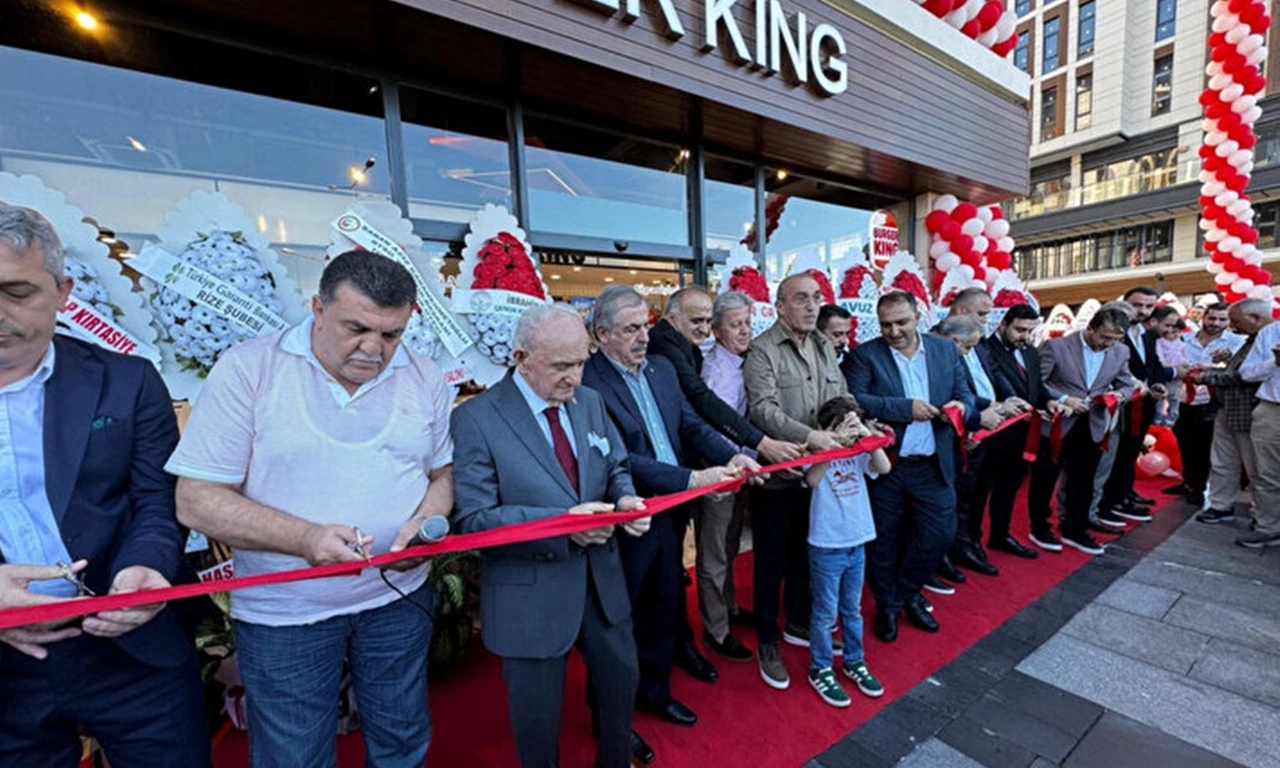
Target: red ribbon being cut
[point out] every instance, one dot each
(558, 525)
(1112, 402)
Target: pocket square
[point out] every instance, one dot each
(601, 444)
(102, 421)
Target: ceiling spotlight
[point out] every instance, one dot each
(781, 174)
(608, 279)
(577, 269)
(632, 271)
(86, 21)
(136, 144)
(555, 277)
(358, 175)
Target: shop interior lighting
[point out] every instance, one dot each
(577, 269)
(555, 277)
(85, 20)
(782, 174)
(608, 279)
(136, 144)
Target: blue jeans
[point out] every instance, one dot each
(836, 578)
(292, 677)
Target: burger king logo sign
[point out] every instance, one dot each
(884, 238)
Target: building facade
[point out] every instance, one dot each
(1116, 129)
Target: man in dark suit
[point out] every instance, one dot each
(994, 401)
(1077, 371)
(1005, 469)
(1150, 377)
(905, 379)
(663, 435)
(84, 435)
(531, 447)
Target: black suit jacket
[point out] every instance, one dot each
(667, 341)
(109, 428)
(1149, 370)
(690, 436)
(1025, 384)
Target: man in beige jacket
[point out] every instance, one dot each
(790, 371)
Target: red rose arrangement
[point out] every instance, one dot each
(1007, 297)
(852, 282)
(949, 298)
(909, 282)
(504, 264)
(749, 281)
(824, 285)
(772, 215)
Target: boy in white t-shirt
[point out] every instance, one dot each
(840, 525)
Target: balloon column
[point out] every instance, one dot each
(1237, 47)
(972, 242)
(986, 21)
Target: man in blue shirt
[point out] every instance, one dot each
(84, 434)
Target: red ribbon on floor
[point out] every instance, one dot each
(558, 525)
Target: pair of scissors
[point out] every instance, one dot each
(76, 579)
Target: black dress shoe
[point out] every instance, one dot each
(1143, 500)
(743, 618)
(1175, 490)
(640, 750)
(918, 615)
(968, 557)
(1012, 546)
(732, 648)
(949, 571)
(690, 660)
(886, 626)
(673, 712)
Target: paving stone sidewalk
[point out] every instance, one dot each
(1164, 652)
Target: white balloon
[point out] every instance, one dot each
(1225, 22)
(1251, 115)
(1214, 138)
(971, 10)
(1005, 244)
(1239, 158)
(1230, 244)
(1209, 126)
(1224, 278)
(988, 281)
(938, 247)
(1238, 207)
(1007, 24)
(1242, 104)
(1219, 8)
(988, 38)
(1213, 267)
(1247, 168)
(980, 244)
(947, 262)
(966, 271)
(1212, 188)
(1262, 292)
(1231, 92)
(945, 203)
(1236, 34)
(1251, 43)
(1253, 257)
(972, 227)
(1213, 69)
(1225, 149)
(1242, 285)
(986, 214)
(1214, 234)
(956, 19)
(1256, 57)
(1226, 198)
(998, 228)
(1218, 82)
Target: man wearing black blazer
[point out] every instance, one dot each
(664, 437)
(1002, 476)
(84, 436)
(1151, 377)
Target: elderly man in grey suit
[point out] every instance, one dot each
(1078, 370)
(532, 447)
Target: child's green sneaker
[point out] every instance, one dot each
(825, 683)
(867, 682)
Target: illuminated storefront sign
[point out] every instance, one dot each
(777, 38)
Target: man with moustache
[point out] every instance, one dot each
(664, 437)
(789, 373)
(1233, 402)
(1005, 468)
(835, 322)
(320, 444)
(1210, 345)
(905, 379)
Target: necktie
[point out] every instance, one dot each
(560, 441)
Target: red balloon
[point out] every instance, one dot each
(1153, 463)
(1232, 297)
(1250, 237)
(992, 246)
(1252, 16)
(962, 245)
(1236, 6)
(996, 212)
(1217, 39)
(1213, 211)
(979, 273)
(935, 221)
(1234, 265)
(1220, 53)
(1236, 183)
(971, 29)
(963, 212)
(1248, 142)
(999, 260)
(1233, 65)
(938, 8)
(1213, 164)
(971, 259)
(1208, 97)
(990, 14)
(1229, 120)
(1003, 47)
(950, 231)
(1216, 110)
(1206, 151)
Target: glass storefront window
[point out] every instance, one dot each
(729, 201)
(126, 147)
(596, 184)
(1114, 249)
(456, 156)
(815, 217)
(1145, 173)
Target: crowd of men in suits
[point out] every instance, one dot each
(329, 441)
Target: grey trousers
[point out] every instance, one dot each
(1105, 464)
(717, 526)
(1265, 483)
(1231, 451)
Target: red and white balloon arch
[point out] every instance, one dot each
(988, 22)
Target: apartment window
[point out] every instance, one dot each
(1084, 101)
(1049, 61)
(1114, 249)
(1166, 14)
(1022, 7)
(1022, 51)
(1162, 86)
(1049, 113)
(1087, 11)
(1268, 215)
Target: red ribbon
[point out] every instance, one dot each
(1112, 402)
(559, 525)
(1135, 414)
(1030, 449)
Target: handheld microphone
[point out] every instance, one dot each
(432, 530)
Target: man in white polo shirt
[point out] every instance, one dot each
(305, 446)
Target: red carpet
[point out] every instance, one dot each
(741, 721)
